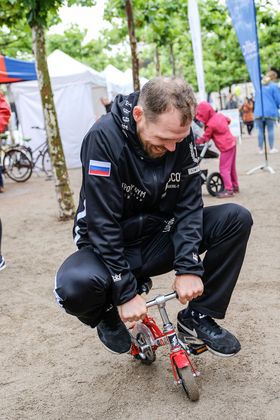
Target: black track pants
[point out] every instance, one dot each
(83, 283)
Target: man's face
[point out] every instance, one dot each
(161, 136)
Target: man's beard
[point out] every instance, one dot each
(155, 152)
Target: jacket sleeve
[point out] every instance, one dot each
(276, 94)
(104, 201)
(207, 135)
(5, 113)
(187, 234)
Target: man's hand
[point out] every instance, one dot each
(133, 310)
(188, 287)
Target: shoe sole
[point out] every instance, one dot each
(216, 353)
(189, 335)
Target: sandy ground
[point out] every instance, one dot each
(53, 367)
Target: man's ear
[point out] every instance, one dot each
(137, 113)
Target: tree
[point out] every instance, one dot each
(38, 13)
(96, 53)
(162, 26)
(133, 44)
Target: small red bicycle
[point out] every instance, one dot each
(147, 337)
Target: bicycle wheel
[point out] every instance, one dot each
(46, 163)
(188, 382)
(17, 165)
(214, 183)
(150, 355)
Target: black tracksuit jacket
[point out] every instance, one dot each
(117, 209)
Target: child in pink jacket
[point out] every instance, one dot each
(217, 128)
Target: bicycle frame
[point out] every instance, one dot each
(40, 153)
(179, 353)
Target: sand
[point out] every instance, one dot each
(54, 367)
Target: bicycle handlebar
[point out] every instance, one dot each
(159, 300)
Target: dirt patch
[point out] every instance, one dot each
(53, 367)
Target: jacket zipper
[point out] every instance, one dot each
(155, 186)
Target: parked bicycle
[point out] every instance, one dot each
(20, 161)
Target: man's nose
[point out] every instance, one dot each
(170, 147)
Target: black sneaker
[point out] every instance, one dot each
(2, 263)
(113, 333)
(217, 339)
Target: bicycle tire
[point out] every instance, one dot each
(17, 165)
(188, 382)
(47, 164)
(214, 183)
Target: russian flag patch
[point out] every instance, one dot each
(98, 168)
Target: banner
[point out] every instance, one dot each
(194, 22)
(243, 15)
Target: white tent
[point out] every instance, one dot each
(77, 91)
(118, 81)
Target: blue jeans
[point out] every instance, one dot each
(269, 123)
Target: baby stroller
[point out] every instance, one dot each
(214, 182)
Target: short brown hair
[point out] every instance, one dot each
(161, 94)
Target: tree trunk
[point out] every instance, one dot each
(133, 45)
(62, 185)
(221, 99)
(172, 59)
(157, 58)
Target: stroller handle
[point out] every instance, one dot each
(204, 150)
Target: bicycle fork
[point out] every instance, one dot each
(179, 354)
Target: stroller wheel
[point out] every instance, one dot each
(214, 183)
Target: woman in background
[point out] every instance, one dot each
(247, 110)
(271, 103)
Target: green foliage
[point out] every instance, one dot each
(95, 53)
(16, 42)
(162, 23)
(37, 12)
(159, 25)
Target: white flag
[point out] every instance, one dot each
(194, 23)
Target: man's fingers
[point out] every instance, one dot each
(189, 296)
(132, 317)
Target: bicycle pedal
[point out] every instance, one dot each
(197, 349)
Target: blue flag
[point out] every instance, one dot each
(243, 15)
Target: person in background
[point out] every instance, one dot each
(217, 128)
(5, 114)
(271, 103)
(2, 261)
(231, 103)
(247, 112)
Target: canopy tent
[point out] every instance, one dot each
(77, 91)
(12, 70)
(118, 81)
